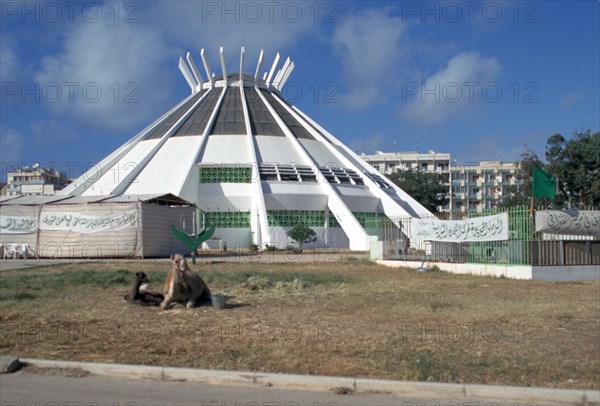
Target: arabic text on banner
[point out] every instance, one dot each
(489, 228)
(581, 222)
(86, 224)
(18, 225)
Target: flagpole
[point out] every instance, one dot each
(531, 206)
(531, 218)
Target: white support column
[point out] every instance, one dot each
(261, 57)
(281, 72)
(222, 54)
(276, 78)
(189, 78)
(355, 232)
(286, 76)
(391, 207)
(195, 70)
(259, 221)
(207, 68)
(273, 67)
(242, 52)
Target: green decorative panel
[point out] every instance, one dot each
(367, 219)
(226, 219)
(333, 221)
(225, 174)
(289, 218)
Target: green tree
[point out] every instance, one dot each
(425, 187)
(576, 165)
(302, 234)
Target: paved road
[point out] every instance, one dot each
(27, 388)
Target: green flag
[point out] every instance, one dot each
(543, 184)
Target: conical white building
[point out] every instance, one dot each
(254, 163)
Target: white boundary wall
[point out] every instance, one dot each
(528, 272)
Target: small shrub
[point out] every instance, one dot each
(302, 234)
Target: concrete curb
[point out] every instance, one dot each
(326, 383)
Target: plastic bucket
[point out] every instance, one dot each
(218, 301)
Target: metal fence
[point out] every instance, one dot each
(524, 246)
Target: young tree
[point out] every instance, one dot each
(425, 187)
(302, 234)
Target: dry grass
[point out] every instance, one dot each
(348, 319)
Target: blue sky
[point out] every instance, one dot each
(477, 79)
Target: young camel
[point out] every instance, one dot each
(139, 295)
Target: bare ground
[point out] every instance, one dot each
(347, 318)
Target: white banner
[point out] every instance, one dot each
(17, 225)
(576, 222)
(489, 228)
(86, 224)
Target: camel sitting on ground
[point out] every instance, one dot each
(183, 285)
(138, 294)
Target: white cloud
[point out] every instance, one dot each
(467, 79)
(109, 74)
(133, 59)
(369, 44)
(570, 100)
(9, 61)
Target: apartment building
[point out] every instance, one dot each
(481, 185)
(390, 162)
(471, 186)
(35, 181)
